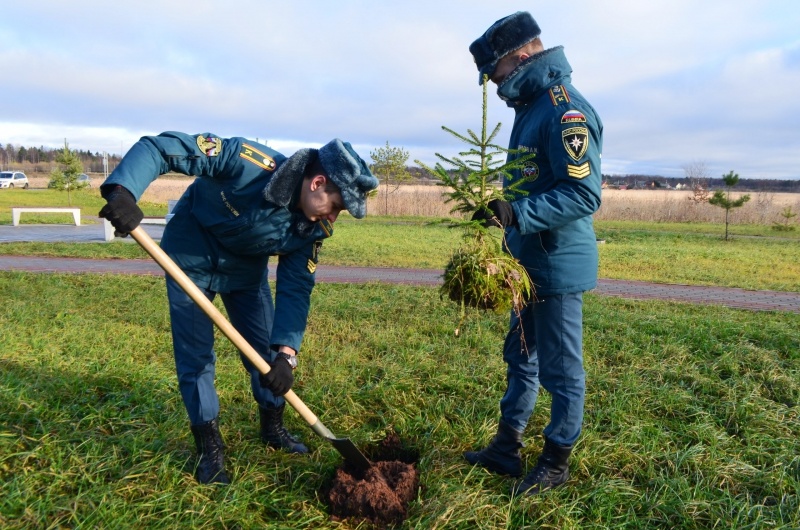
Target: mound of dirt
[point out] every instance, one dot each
(380, 494)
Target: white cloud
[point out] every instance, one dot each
(673, 80)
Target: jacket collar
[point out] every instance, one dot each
(534, 75)
(283, 188)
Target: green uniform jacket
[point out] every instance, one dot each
(225, 226)
(555, 238)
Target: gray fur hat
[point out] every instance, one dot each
(342, 165)
(348, 171)
(502, 37)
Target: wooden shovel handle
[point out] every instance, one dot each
(194, 292)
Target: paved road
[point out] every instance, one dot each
(730, 297)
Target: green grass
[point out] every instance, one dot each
(636, 251)
(608, 227)
(692, 414)
(88, 200)
(695, 259)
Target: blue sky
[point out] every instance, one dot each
(676, 82)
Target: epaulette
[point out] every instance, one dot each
(559, 95)
(262, 160)
(327, 227)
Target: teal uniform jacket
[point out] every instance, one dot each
(226, 226)
(555, 238)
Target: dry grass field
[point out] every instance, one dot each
(628, 205)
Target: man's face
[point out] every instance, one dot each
(318, 201)
(504, 67)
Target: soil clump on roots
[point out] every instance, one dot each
(380, 494)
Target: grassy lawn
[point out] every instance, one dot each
(88, 200)
(608, 228)
(696, 259)
(692, 414)
(633, 251)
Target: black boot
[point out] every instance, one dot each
(211, 461)
(274, 434)
(502, 454)
(551, 470)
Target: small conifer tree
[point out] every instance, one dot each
(785, 226)
(65, 176)
(723, 198)
(480, 274)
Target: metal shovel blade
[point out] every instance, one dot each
(345, 447)
(350, 452)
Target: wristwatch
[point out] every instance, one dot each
(292, 359)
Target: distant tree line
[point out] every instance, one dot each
(642, 182)
(43, 159)
(658, 182)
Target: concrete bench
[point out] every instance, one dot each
(16, 212)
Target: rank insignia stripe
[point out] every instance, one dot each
(579, 172)
(559, 95)
(312, 267)
(209, 145)
(573, 116)
(253, 155)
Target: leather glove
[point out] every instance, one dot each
(280, 378)
(121, 210)
(497, 213)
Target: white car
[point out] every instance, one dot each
(13, 179)
(84, 181)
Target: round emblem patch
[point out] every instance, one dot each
(530, 171)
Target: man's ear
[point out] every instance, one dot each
(317, 181)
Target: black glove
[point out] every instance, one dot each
(497, 213)
(121, 210)
(280, 378)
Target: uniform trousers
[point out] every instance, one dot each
(544, 346)
(251, 312)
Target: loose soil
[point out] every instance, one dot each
(380, 494)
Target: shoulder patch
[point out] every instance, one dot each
(262, 160)
(558, 95)
(210, 145)
(579, 172)
(576, 141)
(573, 116)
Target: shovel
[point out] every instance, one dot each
(345, 447)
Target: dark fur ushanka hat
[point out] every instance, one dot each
(503, 37)
(342, 165)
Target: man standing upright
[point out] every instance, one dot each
(549, 229)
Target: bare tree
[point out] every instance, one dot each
(697, 174)
(390, 167)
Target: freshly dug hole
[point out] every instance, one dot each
(380, 494)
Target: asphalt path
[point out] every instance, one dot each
(730, 297)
